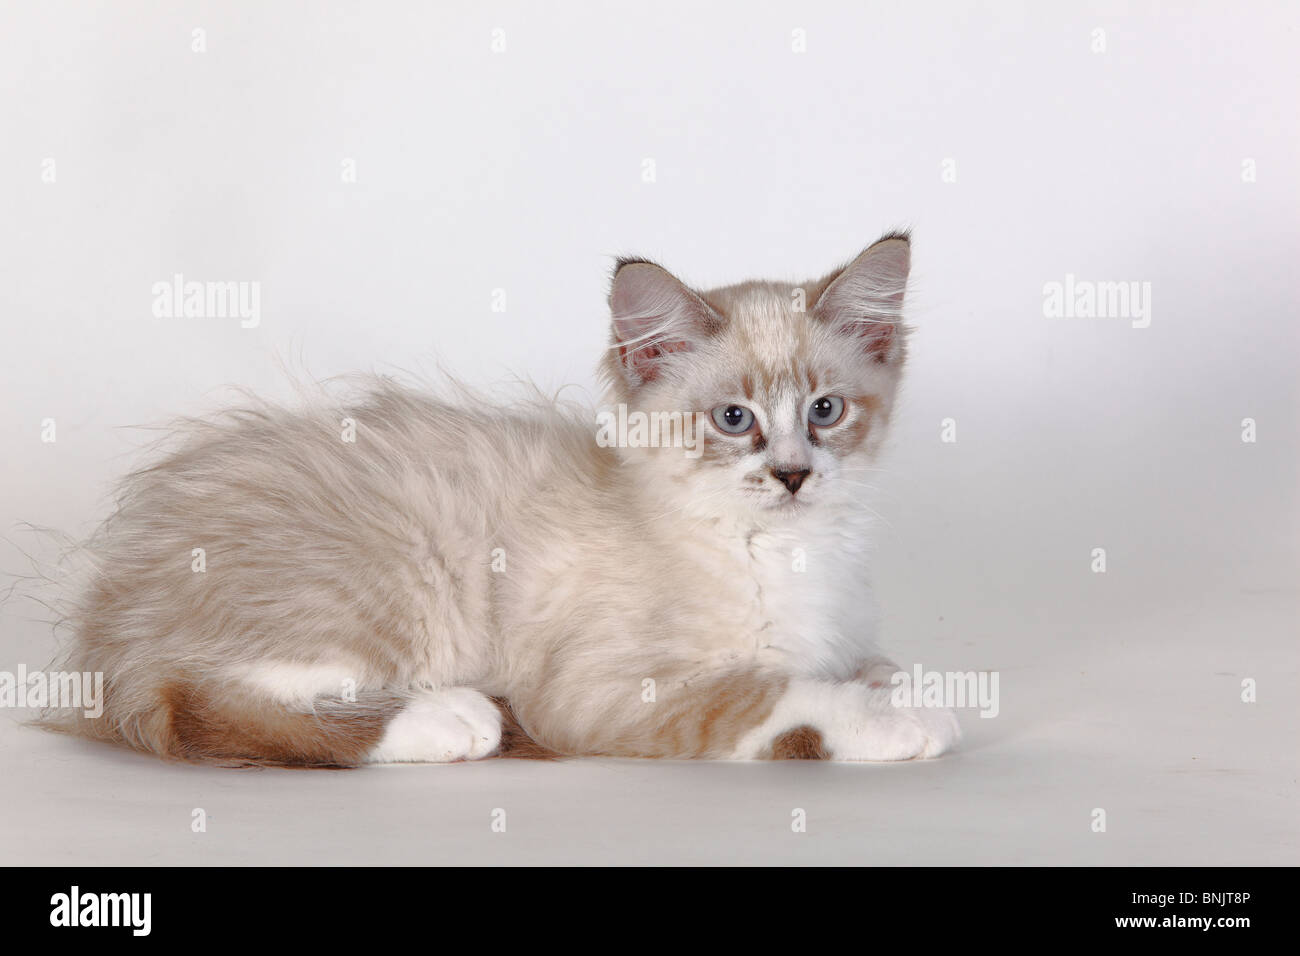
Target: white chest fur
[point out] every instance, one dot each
(807, 601)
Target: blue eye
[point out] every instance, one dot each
(733, 419)
(826, 411)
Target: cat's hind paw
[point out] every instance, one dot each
(441, 726)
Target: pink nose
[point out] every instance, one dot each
(791, 479)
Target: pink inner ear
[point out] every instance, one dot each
(877, 337)
(654, 315)
(866, 299)
(643, 360)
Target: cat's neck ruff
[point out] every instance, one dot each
(800, 583)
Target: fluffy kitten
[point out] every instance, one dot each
(382, 599)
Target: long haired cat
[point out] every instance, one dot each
(405, 579)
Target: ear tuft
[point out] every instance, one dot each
(652, 316)
(865, 299)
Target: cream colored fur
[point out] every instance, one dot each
(631, 601)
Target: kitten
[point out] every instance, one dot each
(271, 592)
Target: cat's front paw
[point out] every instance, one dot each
(853, 720)
(883, 731)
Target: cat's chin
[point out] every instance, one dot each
(788, 505)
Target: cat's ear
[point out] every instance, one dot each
(864, 300)
(653, 314)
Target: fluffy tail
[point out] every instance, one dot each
(233, 725)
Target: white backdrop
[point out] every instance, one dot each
(1116, 142)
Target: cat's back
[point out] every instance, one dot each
(389, 505)
(355, 537)
(392, 450)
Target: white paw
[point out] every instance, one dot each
(886, 732)
(854, 721)
(441, 726)
(481, 716)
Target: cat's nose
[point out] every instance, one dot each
(791, 479)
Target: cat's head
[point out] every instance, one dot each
(792, 385)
